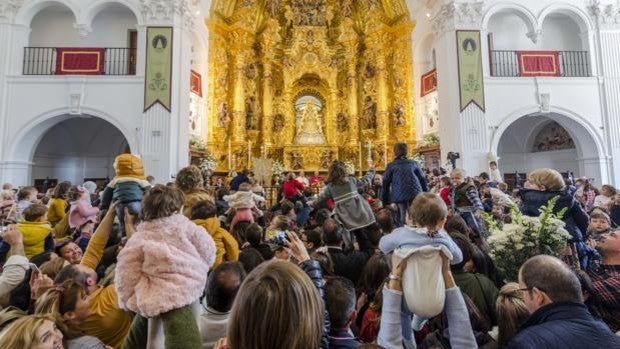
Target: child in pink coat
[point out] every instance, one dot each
(162, 272)
(81, 211)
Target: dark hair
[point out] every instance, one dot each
(331, 232)
(484, 176)
(250, 258)
(24, 192)
(61, 189)
(34, 212)
(493, 163)
(222, 285)
(203, 210)
(386, 219)
(70, 272)
(484, 265)
(314, 237)
(374, 235)
(74, 193)
(321, 215)
(340, 299)
(161, 201)
(337, 173)
(400, 149)
(286, 206)
(254, 235)
(593, 301)
(220, 193)
(239, 231)
(374, 274)
(41, 258)
(189, 178)
(466, 248)
(325, 261)
(552, 276)
(456, 224)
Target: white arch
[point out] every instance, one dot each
(511, 7)
(27, 12)
(595, 136)
(574, 12)
(97, 6)
(24, 144)
(423, 48)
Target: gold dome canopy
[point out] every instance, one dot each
(272, 61)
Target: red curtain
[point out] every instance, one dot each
(79, 61)
(539, 63)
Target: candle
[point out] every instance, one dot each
(263, 152)
(369, 145)
(229, 155)
(360, 157)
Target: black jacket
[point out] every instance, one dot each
(564, 325)
(350, 264)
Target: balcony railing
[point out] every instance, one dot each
(42, 61)
(572, 64)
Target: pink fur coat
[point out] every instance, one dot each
(163, 266)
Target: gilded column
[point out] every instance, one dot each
(383, 122)
(353, 103)
(238, 108)
(267, 101)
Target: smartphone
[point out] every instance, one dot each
(34, 268)
(281, 237)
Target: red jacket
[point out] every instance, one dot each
(292, 189)
(445, 195)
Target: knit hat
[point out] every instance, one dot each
(128, 165)
(90, 186)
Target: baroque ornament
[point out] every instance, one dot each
(8, 9)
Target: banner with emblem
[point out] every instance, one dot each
(471, 80)
(158, 76)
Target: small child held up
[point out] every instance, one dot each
(204, 214)
(599, 223)
(244, 202)
(81, 211)
(36, 230)
(426, 218)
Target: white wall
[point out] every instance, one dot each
(53, 27)
(561, 160)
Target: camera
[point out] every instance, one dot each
(452, 157)
(280, 238)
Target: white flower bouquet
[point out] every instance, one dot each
(514, 243)
(277, 168)
(208, 163)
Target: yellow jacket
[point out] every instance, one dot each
(192, 198)
(56, 211)
(34, 235)
(227, 247)
(107, 321)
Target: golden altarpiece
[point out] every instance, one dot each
(306, 82)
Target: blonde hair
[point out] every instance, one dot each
(458, 172)
(22, 332)
(551, 179)
(511, 312)
(189, 179)
(52, 267)
(427, 211)
(284, 294)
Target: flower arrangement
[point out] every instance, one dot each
(419, 159)
(350, 167)
(429, 140)
(197, 144)
(277, 168)
(208, 163)
(514, 243)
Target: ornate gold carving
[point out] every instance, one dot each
(353, 56)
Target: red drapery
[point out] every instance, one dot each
(539, 63)
(79, 61)
(429, 82)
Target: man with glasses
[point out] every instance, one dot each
(606, 278)
(558, 317)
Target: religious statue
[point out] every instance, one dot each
(251, 113)
(297, 161)
(223, 118)
(278, 123)
(309, 125)
(272, 8)
(250, 71)
(370, 113)
(399, 115)
(342, 125)
(326, 158)
(309, 12)
(347, 8)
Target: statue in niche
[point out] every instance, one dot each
(289, 15)
(398, 115)
(309, 12)
(251, 113)
(342, 125)
(278, 123)
(347, 8)
(370, 113)
(309, 124)
(223, 117)
(272, 8)
(297, 161)
(326, 158)
(250, 71)
(370, 71)
(380, 155)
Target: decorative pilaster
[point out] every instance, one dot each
(238, 109)
(383, 120)
(354, 125)
(267, 101)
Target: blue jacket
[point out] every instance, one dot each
(403, 181)
(238, 180)
(564, 325)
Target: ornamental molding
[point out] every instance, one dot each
(83, 29)
(166, 10)
(456, 14)
(8, 9)
(607, 15)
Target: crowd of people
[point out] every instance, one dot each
(398, 260)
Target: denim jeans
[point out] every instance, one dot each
(401, 217)
(133, 208)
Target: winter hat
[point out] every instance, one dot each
(90, 186)
(128, 165)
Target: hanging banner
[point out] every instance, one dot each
(429, 82)
(195, 82)
(158, 77)
(471, 80)
(539, 63)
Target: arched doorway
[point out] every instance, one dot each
(550, 140)
(77, 149)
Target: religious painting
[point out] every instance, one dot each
(429, 82)
(430, 113)
(196, 83)
(553, 137)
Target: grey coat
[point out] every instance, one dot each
(351, 209)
